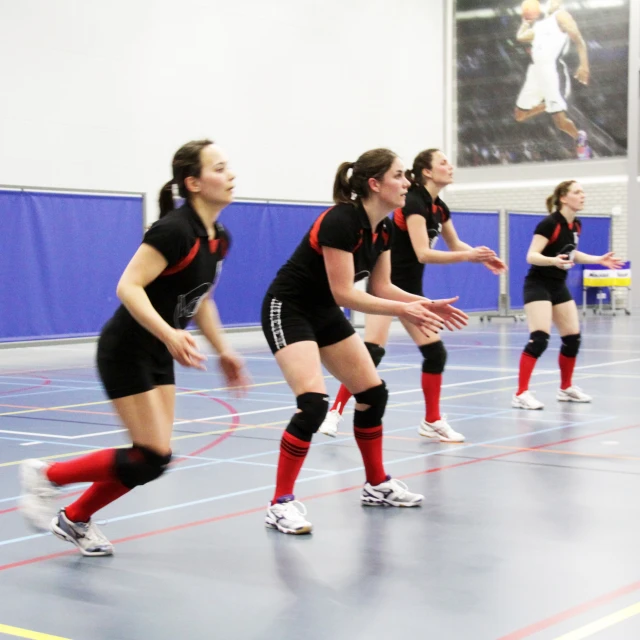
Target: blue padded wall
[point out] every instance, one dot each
(595, 240)
(61, 256)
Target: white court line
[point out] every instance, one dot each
(291, 406)
(322, 476)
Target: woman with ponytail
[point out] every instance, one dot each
(417, 226)
(167, 283)
(547, 300)
(305, 327)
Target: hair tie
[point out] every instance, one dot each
(175, 193)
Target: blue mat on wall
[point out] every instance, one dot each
(595, 240)
(61, 256)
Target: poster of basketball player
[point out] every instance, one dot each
(540, 80)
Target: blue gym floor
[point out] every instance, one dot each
(528, 530)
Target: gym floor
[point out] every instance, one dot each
(528, 529)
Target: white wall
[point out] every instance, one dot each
(100, 95)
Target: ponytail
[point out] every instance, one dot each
(165, 199)
(371, 164)
(553, 201)
(342, 190)
(408, 174)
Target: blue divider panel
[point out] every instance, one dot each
(263, 238)
(61, 256)
(477, 287)
(595, 240)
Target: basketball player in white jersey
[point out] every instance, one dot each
(550, 37)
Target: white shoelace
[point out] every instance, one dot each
(294, 510)
(399, 487)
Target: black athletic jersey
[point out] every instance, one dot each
(303, 278)
(194, 263)
(563, 239)
(404, 262)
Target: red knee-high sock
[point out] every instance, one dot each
(431, 385)
(343, 396)
(566, 370)
(527, 365)
(98, 466)
(97, 496)
(293, 451)
(369, 441)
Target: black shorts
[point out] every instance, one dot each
(284, 322)
(127, 374)
(554, 291)
(410, 285)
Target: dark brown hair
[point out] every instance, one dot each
(371, 164)
(186, 163)
(424, 160)
(553, 201)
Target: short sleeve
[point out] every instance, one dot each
(169, 238)
(414, 205)
(446, 213)
(340, 229)
(546, 227)
(225, 241)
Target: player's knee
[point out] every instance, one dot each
(570, 345)
(435, 357)
(313, 410)
(376, 398)
(538, 342)
(138, 465)
(376, 352)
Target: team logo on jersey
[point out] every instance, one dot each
(434, 234)
(189, 303)
(361, 275)
(568, 250)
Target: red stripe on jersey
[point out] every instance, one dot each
(185, 262)
(313, 234)
(213, 245)
(400, 220)
(359, 243)
(555, 234)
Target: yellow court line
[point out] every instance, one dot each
(26, 633)
(179, 393)
(603, 623)
(189, 436)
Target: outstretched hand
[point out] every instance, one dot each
(610, 261)
(495, 265)
(452, 317)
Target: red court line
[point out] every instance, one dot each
(44, 383)
(237, 514)
(536, 627)
(221, 438)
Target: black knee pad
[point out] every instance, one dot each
(570, 345)
(538, 341)
(375, 351)
(313, 409)
(376, 398)
(138, 465)
(435, 357)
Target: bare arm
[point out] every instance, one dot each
(525, 32)
(232, 366)
(145, 266)
(569, 26)
(535, 257)
(458, 251)
(608, 259)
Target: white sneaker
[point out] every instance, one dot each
(330, 425)
(391, 493)
(38, 494)
(526, 400)
(441, 430)
(572, 394)
(85, 535)
(288, 516)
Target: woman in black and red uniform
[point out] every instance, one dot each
(417, 227)
(305, 327)
(554, 250)
(167, 283)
